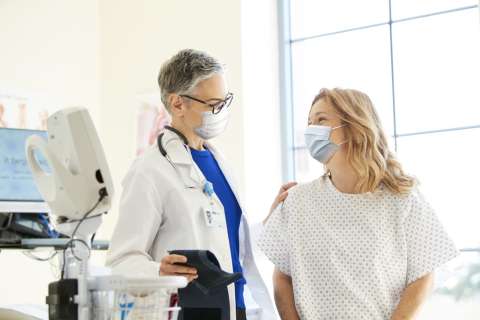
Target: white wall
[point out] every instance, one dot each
(50, 48)
(105, 53)
(261, 106)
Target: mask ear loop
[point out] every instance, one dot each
(340, 126)
(327, 172)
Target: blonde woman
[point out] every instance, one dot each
(360, 242)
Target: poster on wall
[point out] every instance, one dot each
(25, 110)
(151, 119)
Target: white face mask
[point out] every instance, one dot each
(213, 124)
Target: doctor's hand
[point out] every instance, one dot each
(281, 196)
(169, 267)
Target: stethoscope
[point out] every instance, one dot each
(160, 138)
(208, 186)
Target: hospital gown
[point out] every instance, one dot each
(350, 256)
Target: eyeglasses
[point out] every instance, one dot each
(216, 107)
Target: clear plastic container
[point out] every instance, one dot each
(137, 299)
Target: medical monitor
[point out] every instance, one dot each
(18, 191)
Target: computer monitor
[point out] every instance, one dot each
(18, 192)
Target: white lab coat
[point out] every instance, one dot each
(161, 209)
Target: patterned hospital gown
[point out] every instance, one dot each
(351, 256)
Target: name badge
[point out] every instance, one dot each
(213, 218)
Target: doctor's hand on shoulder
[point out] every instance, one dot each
(281, 196)
(171, 265)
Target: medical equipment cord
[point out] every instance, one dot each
(30, 254)
(103, 193)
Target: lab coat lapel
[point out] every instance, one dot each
(181, 158)
(226, 172)
(244, 239)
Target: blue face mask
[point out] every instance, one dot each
(317, 139)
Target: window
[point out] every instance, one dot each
(419, 62)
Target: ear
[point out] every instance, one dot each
(176, 104)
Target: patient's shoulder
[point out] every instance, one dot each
(302, 193)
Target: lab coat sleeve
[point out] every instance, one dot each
(140, 216)
(273, 239)
(428, 244)
(256, 230)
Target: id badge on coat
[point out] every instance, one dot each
(213, 218)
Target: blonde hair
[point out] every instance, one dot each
(367, 145)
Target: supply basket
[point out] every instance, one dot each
(116, 298)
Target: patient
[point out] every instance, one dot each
(359, 242)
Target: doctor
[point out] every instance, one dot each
(170, 188)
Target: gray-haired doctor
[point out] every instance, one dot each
(168, 189)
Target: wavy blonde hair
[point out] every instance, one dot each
(367, 145)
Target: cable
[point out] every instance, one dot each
(35, 257)
(103, 193)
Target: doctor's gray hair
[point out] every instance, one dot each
(182, 72)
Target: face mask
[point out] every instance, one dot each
(213, 124)
(317, 139)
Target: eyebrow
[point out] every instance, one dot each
(316, 114)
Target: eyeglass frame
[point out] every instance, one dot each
(226, 102)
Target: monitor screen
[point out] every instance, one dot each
(18, 191)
